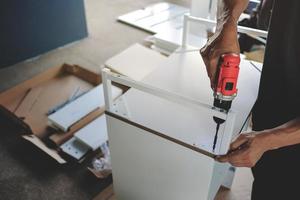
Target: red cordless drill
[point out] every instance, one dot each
(225, 86)
(226, 80)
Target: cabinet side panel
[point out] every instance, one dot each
(146, 166)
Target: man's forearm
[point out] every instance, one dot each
(225, 38)
(284, 135)
(229, 11)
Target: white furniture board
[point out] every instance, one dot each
(257, 65)
(171, 39)
(174, 120)
(94, 134)
(147, 167)
(79, 108)
(175, 23)
(135, 62)
(75, 148)
(202, 8)
(153, 15)
(185, 74)
(146, 12)
(162, 17)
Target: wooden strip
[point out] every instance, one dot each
(161, 135)
(83, 73)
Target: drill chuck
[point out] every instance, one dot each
(221, 104)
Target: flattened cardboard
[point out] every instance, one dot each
(57, 84)
(51, 152)
(9, 123)
(28, 101)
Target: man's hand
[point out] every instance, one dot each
(225, 38)
(246, 150)
(223, 41)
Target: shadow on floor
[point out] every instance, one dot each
(28, 173)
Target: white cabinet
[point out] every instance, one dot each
(161, 132)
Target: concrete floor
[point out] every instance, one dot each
(106, 38)
(28, 174)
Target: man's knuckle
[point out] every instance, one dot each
(247, 157)
(251, 164)
(242, 136)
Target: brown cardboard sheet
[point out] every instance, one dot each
(31, 100)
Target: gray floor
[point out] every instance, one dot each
(106, 38)
(25, 172)
(28, 174)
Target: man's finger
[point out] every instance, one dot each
(233, 156)
(224, 158)
(238, 142)
(238, 157)
(240, 161)
(239, 164)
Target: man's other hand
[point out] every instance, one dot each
(246, 150)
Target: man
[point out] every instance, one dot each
(273, 149)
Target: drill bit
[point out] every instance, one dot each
(218, 122)
(216, 136)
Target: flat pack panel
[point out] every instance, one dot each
(185, 74)
(181, 122)
(147, 167)
(153, 15)
(146, 12)
(75, 148)
(171, 39)
(80, 107)
(175, 23)
(135, 62)
(161, 17)
(94, 134)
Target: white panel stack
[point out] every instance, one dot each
(156, 18)
(94, 134)
(135, 62)
(80, 107)
(170, 40)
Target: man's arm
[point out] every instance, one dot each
(225, 38)
(248, 148)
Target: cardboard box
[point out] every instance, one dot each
(26, 106)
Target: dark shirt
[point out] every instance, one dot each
(279, 94)
(278, 102)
